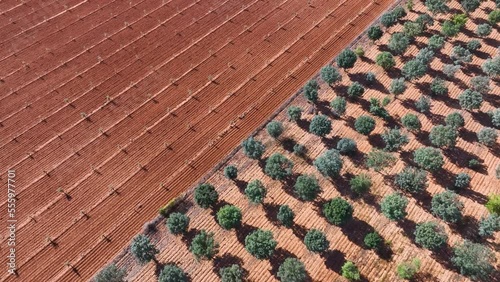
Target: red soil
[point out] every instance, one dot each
(155, 70)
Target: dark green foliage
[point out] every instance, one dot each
(299, 150)
(370, 78)
(255, 191)
(474, 260)
(307, 187)
(316, 241)
(338, 106)
(231, 172)
(373, 240)
(474, 163)
(484, 30)
(172, 273)
(450, 70)
(374, 33)
(494, 16)
(411, 179)
(274, 129)
(347, 146)
(229, 217)
(480, 84)
(393, 206)
(474, 45)
(205, 195)
(487, 136)
(430, 235)
(388, 19)
(111, 273)
(437, 6)
(470, 100)
(447, 206)
(253, 148)
(423, 104)
(292, 270)
(294, 113)
(355, 90)
(379, 160)
(443, 136)
(436, 42)
(399, 12)
(428, 158)
(414, 69)
(449, 29)
(459, 20)
(470, 6)
(407, 270)
(398, 43)
(497, 3)
(329, 163)
(385, 60)
(495, 117)
(489, 225)
(492, 66)
(142, 249)
(285, 216)
(378, 110)
(360, 184)
(425, 20)
(455, 120)
(260, 244)
(460, 55)
(364, 124)
(394, 139)
(350, 271)
(204, 246)
(177, 223)
(337, 211)
(438, 87)
(330, 75)
(311, 91)
(425, 55)
(411, 122)
(346, 59)
(462, 180)
(278, 167)
(232, 273)
(493, 204)
(412, 29)
(409, 5)
(320, 125)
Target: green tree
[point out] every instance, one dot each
(346, 59)
(425, 20)
(347, 146)
(329, 163)
(294, 113)
(373, 240)
(394, 139)
(350, 271)
(436, 42)
(398, 43)
(398, 86)
(285, 216)
(111, 273)
(316, 241)
(361, 183)
(493, 204)
(437, 6)
(311, 91)
(142, 249)
(470, 6)
(253, 148)
(388, 19)
(330, 75)
(385, 60)
(447, 206)
(459, 20)
(172, 273)
(411, 179)
(379, 160)
(409, 5)
(411, 122)
(489, 225)
(393, 206)
(307, 187)
(299, 150)
(450, 70)
(423, 104)
(399, 12)
(204, 246)
(338, 211)
(255, 191)
(355, 90)
(462, 181)
(430, 235)
(374, 33)
(370, 77)
(412, 29)
(274, 129)
(487, 136)
(474, 260)
(414, 69)
(292, 270)
(364, 124)
(492, 66)
(320, 125)
(205, 195)
(470, 100)
(425, 55)
(407, 270)
(260, 244)
(480, 84)
(438, 87)
(278, 167)
(359, 51)
(474, 45)
(484, 30)
(229, 217)
(232, 273)
(231, 172)
(443, 136)
(338, 105)
(460, 55)
(177, 223)
(428, 158)
(455, 120)
(494, 16)
(377, 109)
(495, 117)
(450, 29)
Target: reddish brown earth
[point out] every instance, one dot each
(347, 243)
(125, 95)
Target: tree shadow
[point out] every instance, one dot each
(226, 260)
(217, 206)
(288, 144)
(394, 73)
(289, 183)
(491, 42)
(473, 195)
(423, 199)
(262, 163)
(436, 119)
(279, 256)
(367, 60)
(243, 231)
(376, 85)
(241, 184)
(188, 237)
(493, 99)
(334, 260)
(467, 227)
(303, 124)
(376, 140)
(444, 178)
(343, 186)
(472, 70)
(340, 89)
(408, 227)
(424, 277)
(467, 135)
(331, 142)
(495, 150)
(443, 255)
(271, 211)
(318, 206)
(356, 230)
(483, 118)
(324, 108)
(299, 231)
(371, 200)
(459, 156)
(357, 158)
(385, 252)
(159, 267)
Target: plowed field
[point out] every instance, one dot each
(108, 109)
(346, 243)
